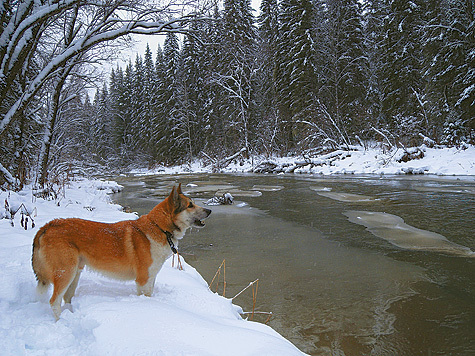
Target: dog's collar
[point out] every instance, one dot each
(169, 236)
(170, 241)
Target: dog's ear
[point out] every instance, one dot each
(174, 198)
(179, 189)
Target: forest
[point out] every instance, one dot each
(296, 77)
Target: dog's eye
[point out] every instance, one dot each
(190, 205)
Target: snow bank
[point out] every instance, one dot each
(445, 161)
(436, 161)
(183, 317)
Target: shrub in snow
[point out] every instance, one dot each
(455, 132)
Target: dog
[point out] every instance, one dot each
(125, 250)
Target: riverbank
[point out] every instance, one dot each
(443, 161)
(182, 317)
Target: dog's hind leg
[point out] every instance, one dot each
(72, 287)
(62, 280)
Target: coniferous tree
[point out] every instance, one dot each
(138, 110)
(295, 67)
(124, 117)
(375, 13)
(213, 116)
(158, 119)
(266, 95)
(346, 75)
(457, 60)
(191, 94)
(403, 81)
(169, 99)
(147, 102)
(102, 124)
(236, 73)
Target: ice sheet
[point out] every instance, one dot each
(393, 229)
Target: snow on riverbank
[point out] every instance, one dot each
(436, 161)
(183, 317)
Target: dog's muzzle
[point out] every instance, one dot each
(199, 222)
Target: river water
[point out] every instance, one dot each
(347, 265)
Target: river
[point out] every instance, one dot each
(348, 265)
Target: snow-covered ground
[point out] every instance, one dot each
(183, 317)
(436, 161)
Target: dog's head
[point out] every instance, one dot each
(186, 213)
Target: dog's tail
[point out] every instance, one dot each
(38, 264)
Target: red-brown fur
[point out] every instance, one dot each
(128, 250)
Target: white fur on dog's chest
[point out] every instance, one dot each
(159, 254)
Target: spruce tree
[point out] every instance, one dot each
(266, 95)
(138, 99)
(459, 56)
(213, 117)
(375, 13)
(403, 82)
(158, 121)
(237, 73)
(192, 94)
(295, 67)
(346, 76)
(147, 102)
(169, 98)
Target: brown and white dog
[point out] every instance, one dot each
(126, 250)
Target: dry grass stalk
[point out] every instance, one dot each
(249, 285)
(254, 297)
(253, 284)
(269, 314)
(218, 274)
(179, 265)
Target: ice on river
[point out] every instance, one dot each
(393, 229)
(346, 197)
(268, 188)
(447, 189)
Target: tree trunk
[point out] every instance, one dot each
(50, 126)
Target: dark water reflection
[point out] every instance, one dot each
(335, 288)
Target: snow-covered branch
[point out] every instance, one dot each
(41, 40)
(98, 33)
